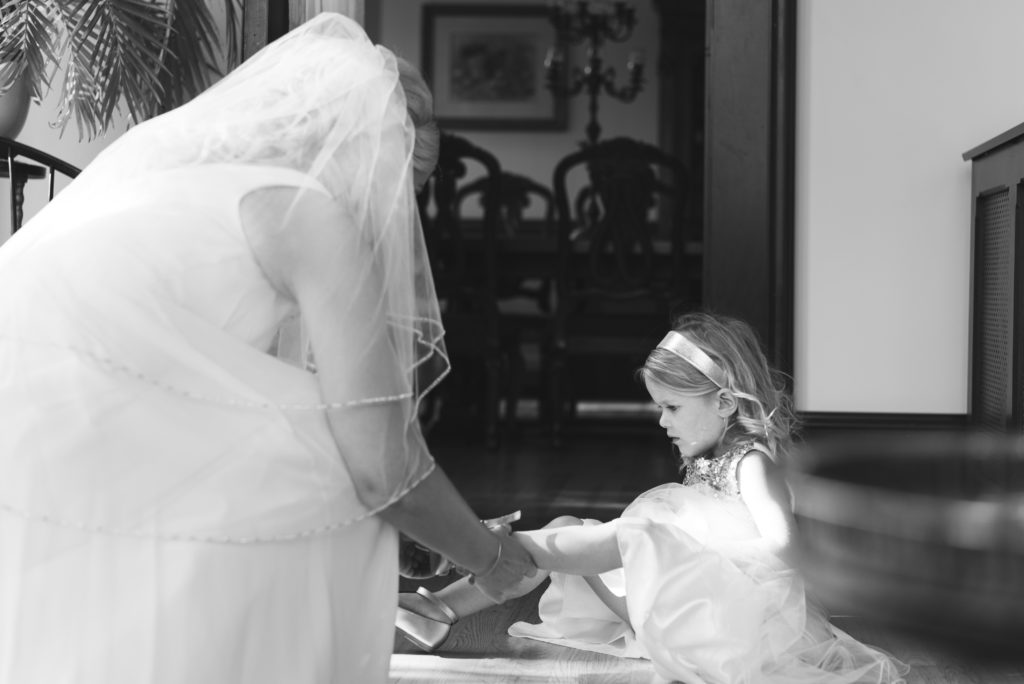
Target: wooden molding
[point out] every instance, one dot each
(816, 422)
(254, 26)
(265, 20)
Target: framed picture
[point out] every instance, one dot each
(485, 66)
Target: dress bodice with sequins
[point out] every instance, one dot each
(718, 474)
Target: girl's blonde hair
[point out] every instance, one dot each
(764, 404)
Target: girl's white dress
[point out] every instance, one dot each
(164, 518)
(703, 606)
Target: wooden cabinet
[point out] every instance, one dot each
(996, 399)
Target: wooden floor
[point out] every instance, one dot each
(602, 467)
(480, 650)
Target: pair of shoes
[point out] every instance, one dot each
(426, 632)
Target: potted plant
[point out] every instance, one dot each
(145, 56)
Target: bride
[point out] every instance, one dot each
(213, 344)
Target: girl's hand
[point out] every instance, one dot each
(503, 524)
(504, 580)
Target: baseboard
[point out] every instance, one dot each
(816, 422)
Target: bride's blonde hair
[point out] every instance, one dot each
(420, 103)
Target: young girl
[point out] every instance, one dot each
(692, 575)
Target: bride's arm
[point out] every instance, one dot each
(380, 443)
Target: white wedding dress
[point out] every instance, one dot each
(165, 517)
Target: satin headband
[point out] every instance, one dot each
(678, 344)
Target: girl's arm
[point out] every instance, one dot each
(764, 491)
(586, 550)
(574, 550)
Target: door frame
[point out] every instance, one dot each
(750, 151)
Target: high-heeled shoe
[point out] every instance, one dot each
(426, 632)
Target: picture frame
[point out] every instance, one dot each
(485, 66)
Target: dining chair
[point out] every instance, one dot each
(623, 269)
(526, 211)
(462, 253)
(21, 163)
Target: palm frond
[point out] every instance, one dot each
(145, 56)
(192, 52)
(114, 49)
(233, 11)
(28, 35)
(196, 58)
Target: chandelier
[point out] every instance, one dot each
(592, 23)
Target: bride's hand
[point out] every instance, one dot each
(504, 580)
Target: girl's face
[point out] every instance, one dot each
(695, 424)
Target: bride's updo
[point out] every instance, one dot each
(420, 103)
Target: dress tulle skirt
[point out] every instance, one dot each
(85, 608)
(704, 607)
(148, 537)
(174, 507)
(151, 537)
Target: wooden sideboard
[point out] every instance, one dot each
(996, 400)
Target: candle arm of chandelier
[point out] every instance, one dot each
(626, 93)
(573, 86)
(618, 33)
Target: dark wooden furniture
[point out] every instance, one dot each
(517, 195)
(526, 230)
(749, 185)
(22, 163)
(617, 292)
(997, 305)
(466, 283)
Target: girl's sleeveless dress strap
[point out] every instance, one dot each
(720, 473)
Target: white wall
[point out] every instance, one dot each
(890, 94)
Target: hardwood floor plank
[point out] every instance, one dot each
(932, 662)
(479, 649)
